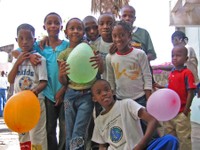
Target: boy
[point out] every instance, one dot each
(119, 123)
(182, 81)
(25, 76)
(105, 25)
(54, 92)
(140, 37)
(91, 29)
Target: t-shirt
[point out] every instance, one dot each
(29, 76)
(103, 49)
(129, 74)
(180, 81)
(142, 40)
(120, 127)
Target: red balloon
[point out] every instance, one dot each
(164, 104)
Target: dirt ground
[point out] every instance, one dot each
(8, 139)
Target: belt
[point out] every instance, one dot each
(83, 91)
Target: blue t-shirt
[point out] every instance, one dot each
(51, 55)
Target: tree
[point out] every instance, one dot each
(113, 6)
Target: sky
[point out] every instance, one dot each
(152, 15)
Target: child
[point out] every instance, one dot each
(128, 70)
(140, 36)
(105, 25)
(77, 101)
(119, 123)
(25, 76)
(182, 81)
(91, 29)
(54, 91)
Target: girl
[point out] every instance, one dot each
(77, 101)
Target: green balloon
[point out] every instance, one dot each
(81, 70)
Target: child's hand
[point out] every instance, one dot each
(44, 42)
(58, 98)
(63, 72)
(156, 85)
(23, 56)
(97, 62)
(35, 59)
(112, 49)
(35, 91)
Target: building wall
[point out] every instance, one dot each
(193, 34)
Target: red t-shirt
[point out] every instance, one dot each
(180, 81)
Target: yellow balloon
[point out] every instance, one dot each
(22, 111)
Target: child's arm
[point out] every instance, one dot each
(60, 95)
(152, 124)
(40, 87)
(189, 101)
(163, 67)
(147, 93)
(34, 58)
(63, 72)
(102, 147)
(156, 85)
(12, 74)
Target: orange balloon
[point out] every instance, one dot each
(22, 111)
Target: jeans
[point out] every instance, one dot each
(53, 114)
(78, 106)
(2, 100)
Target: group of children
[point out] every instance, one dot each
(122, 86)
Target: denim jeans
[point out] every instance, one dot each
(54, 114)
(2, 100)
(78, 106)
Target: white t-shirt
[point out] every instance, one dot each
(129, 74)
(120, 127)
(4, 82)
(29, 76)
(103, 48)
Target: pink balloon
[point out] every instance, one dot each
(164, 104)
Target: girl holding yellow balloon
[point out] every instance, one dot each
(79, 65)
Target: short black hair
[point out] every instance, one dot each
(75, 18)
(52, 13)
(27, 27)
(89, 18)
(179, 34)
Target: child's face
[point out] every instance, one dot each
(102, 94)
(179, 56)
(176, 41)
(53, 25)
(121, 38)
(75, 31)
(25, 39)
(91, 30)
(128, 15)
(105, 25)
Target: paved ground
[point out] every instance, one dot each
(8, 139)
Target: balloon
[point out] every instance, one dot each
(22, 111)
(164, 104)
(81, 70)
